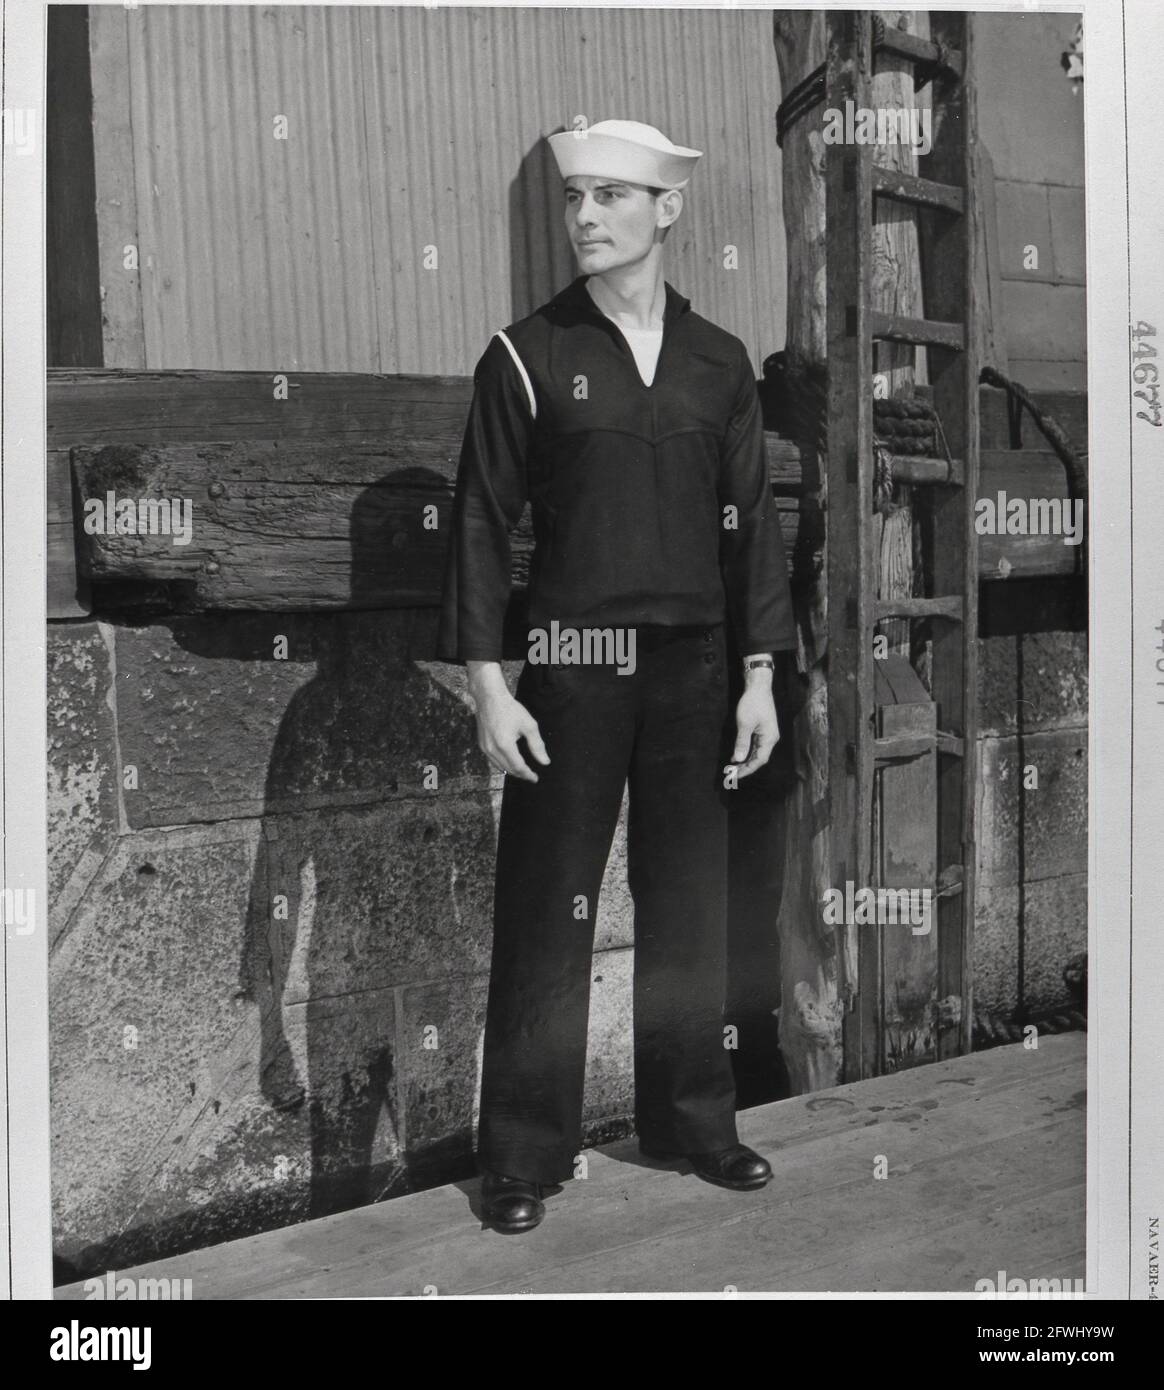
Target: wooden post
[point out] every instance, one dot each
(812, 1007)
(811, 1011)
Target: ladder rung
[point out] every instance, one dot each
(950, 606)
(908, 188)
(949, 885)
(887, 750)
(919, 50)
(918, 468)
(926, 332)
(899, 746)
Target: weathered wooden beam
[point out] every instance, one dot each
(326, 511)
(282, 525)
(94, 406)
(1025, 475)
(174, 407)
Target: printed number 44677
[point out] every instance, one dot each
(1146, 373)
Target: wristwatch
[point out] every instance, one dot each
(751, 663)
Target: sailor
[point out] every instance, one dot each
(632, 428)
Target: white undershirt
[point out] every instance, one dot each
(645, 344)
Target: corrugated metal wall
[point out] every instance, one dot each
(409, 129)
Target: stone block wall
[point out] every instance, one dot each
(270, 927)
(1031, 914)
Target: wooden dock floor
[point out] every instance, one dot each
(984, 1157)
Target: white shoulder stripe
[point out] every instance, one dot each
(529, 391)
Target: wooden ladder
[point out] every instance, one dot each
(945, 491)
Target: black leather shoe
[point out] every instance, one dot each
(738, 1167)
(511, 1204)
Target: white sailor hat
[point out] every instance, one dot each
(627, 150)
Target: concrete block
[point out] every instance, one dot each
(82, 762)
(1043, 675)
(376, 896)
(174, 1118)
(344, 1049)
(1024, 220)
(218, 727)
(609, 1094)
(145, 1022)
(1043, 923)
(439, 1066)
(1069, 233)
(1037, 832)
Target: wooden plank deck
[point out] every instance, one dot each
(985, 1163)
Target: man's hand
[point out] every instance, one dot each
(501, 721)
(757, 728)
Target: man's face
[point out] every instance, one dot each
(610, 223)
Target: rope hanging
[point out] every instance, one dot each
(1051, 430)
(799, 101)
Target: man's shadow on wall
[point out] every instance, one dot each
(326, 933)
(540, 260)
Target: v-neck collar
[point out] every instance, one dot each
(576, 296)
(575, 299)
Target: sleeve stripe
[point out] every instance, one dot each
(529, 391)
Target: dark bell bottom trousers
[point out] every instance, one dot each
(664, 731)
